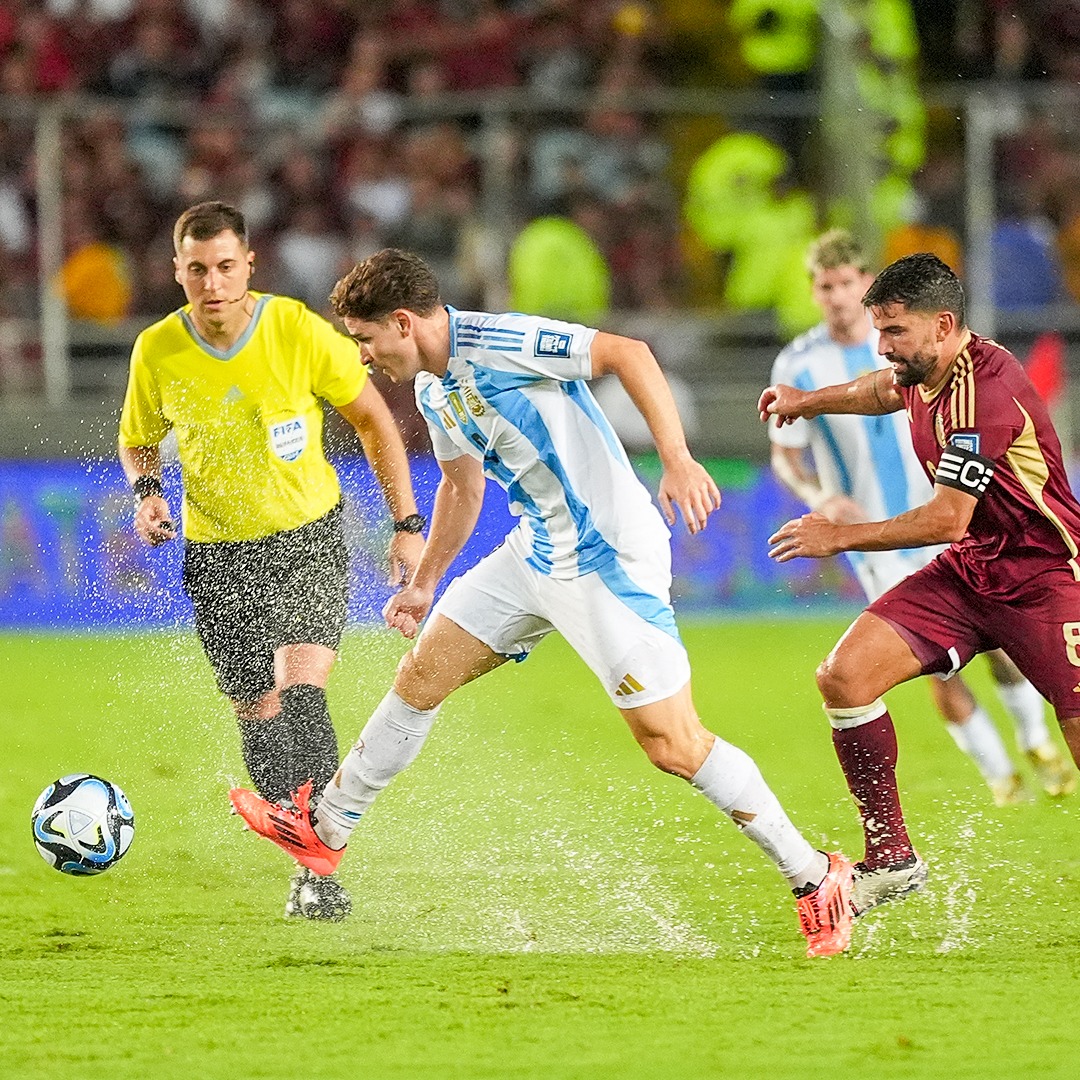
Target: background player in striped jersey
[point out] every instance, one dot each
(1010, 577)
(238, 376)
(506, 396)
(864, 469)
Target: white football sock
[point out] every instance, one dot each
(1028, 710)
(390, 741)
(979, 739)
(730, 780)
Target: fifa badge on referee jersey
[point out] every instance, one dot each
(288, 438)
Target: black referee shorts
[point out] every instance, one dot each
(253, 596)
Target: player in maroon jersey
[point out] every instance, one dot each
(1010, 578)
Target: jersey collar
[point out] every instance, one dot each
(452, 312)
(241, 341)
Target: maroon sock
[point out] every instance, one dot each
(867, 755)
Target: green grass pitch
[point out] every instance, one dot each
(531, 898)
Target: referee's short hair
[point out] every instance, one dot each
(206, 220)
(388, 280)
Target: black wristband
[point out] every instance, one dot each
(414, 523)
(147, 485)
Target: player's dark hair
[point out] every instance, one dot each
(921, 283)
(206, 220)
(388, 280)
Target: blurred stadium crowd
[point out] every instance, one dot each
(325, 121)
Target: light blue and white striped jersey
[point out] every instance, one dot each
(868, 458)
(514, 396)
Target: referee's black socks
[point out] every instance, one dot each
(312, 737)
(267, 749)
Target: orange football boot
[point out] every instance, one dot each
(825, 914)
(289, 827)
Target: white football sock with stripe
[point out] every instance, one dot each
(979, 739)
(390, 741)
(1028, 710)
(731, 780)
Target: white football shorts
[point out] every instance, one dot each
(618, 620)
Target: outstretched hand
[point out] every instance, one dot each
(688, 486)
(811, 536)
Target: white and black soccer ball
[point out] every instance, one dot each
(82, 824)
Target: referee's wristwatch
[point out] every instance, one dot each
(414, 523)
(145, 486)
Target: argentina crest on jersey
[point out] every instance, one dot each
(472, 399)
(552, 343)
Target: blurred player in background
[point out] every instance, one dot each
(506, 396)
(1010, 577)
(238, 376)
(864, 469)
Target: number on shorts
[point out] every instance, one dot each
(1071, 632)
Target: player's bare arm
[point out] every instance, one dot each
(371, 418)
(153, 518)
(790, 467)
(685, 482)
(872, 394)
(458, 499)
(942, 520)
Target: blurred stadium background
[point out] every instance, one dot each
(655, 168)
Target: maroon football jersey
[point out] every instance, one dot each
(985, 430)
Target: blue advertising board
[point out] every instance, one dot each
(70, 558)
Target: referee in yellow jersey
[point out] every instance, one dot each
(238, 375)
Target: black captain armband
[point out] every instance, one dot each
(966, 471)
(147, 485)
(414, 523)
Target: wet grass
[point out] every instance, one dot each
(531, 899)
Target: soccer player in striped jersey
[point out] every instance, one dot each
(505, 396)
(238, 377)
(864, 469)
(1010, 577)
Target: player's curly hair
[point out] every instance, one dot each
(921, 283)
(388, 280)
(206, 220)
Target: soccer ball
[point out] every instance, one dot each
(82, 824)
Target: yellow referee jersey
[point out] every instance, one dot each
(248, 420)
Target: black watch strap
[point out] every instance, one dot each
(414, 523)
(147, 485)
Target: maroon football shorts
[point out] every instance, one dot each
(945, 622)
